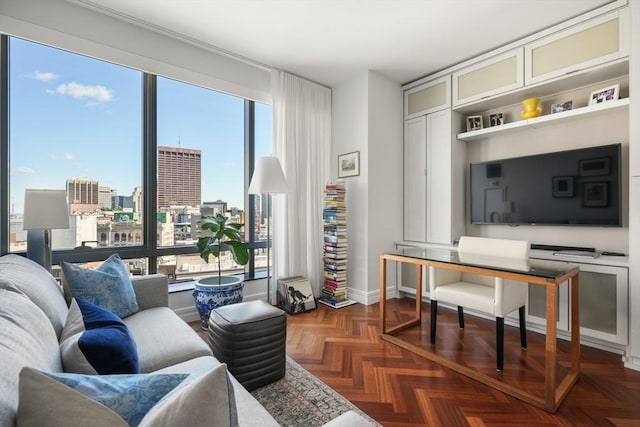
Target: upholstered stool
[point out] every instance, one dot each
(250, 337)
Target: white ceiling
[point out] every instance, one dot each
(330, 41)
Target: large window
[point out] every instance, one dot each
(75, 124)
(81, 124)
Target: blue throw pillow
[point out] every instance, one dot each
(96, 341)
(63, 399)
(108, 286)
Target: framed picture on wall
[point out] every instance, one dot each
(595, 194)
(349, 164)
(562, 186)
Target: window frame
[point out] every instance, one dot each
(149, 249)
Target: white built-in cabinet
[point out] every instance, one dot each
(576, 58)
(603, 295)
(428, 203)
(591, 43)
(493, 76)
(427, 97)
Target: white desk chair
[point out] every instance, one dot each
(491, 295)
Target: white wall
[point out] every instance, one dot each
(367, 117)
(65, 25)
(385, 176)
(349, 118)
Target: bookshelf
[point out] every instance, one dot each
(334, 218)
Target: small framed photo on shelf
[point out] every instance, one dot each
(474, 123)
(605, 94)
(562, 106)
(496, 119)
(349, 164)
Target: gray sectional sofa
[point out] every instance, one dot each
(33, 312)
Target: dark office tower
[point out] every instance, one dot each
(179, 177)
(83, 195)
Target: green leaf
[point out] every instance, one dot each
(239, 252)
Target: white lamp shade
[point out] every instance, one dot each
(45, 210)
(268, 177)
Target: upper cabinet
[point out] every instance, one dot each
(591, 43)
(493, 76)
(427, 97)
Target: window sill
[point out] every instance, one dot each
(189, 285)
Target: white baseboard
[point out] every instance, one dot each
(368, 298)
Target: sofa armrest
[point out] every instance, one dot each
(151, 290)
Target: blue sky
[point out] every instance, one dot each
(72, 116)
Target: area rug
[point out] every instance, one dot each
(301, 399)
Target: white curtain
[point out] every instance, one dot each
(302, 142)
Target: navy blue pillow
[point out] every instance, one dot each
(96, 341)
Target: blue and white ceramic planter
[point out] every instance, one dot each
(211, 293)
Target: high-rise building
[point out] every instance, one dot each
(82, 194)
(104, 197)
(179, 177)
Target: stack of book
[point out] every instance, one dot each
(334, 215)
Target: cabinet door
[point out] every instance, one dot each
(428, 97)
(603, 302)
(439, 177)
(415, 183)
(591, 43)
(493, 76)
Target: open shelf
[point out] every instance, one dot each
(548, 119)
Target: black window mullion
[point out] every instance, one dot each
(4, 144)
(249, 162)
(149, 168)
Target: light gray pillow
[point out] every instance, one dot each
(144, 400)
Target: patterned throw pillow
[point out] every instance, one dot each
(107, 286)
(96, 341)
(144, 400)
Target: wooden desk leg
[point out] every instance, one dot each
(551, 348)
(575, 325)
(418, 291)
(383, 295)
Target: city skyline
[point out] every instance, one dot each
(73, 116)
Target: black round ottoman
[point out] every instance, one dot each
(250, 337)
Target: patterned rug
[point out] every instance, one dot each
(301, 399)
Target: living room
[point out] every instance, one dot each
(367, 117)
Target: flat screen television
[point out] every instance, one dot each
(576, 187)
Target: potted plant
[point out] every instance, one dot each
(215, 291)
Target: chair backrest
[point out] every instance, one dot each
(496, 252)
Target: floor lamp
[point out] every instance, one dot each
(43, 210)
(268, 179)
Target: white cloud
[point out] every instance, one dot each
(24, 170)
(65, 156)
(43, 77)
(75, 90)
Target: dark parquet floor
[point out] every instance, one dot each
(398, 388)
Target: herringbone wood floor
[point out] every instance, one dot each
(398, 388)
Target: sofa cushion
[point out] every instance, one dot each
(179, 342)
(250, 412)
(108, 286)
(96, 341)
(30, 278)
(74, 399)
(26, 339)
(158, 400)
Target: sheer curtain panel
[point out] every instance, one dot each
(302, 142)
